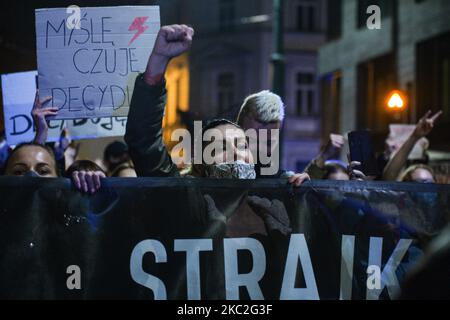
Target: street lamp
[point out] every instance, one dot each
(396, 101)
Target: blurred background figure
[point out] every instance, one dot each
(395, 166)
(4, 151)
(317, 168)
(117, 160)
(264, 113)
(418, 173)
(336, 170)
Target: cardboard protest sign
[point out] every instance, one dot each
(19, 90)
(89, 68)
(399, 133)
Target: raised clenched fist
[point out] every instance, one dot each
(171, 42)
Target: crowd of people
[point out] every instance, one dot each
(145, 155)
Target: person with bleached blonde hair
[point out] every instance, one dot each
(264, 113)
(264, 107)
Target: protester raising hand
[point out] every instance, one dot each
(423, 128)
(426, 124)
(333, 147)
(40, 116)
(171, 42)
(316, 167)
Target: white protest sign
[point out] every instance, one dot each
(90, 71)
(19, 90)
(399, 133)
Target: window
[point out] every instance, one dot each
(226, 15)
(376, 79)
(331, 103)
(225, 92)
(307, 16)
(305, 94)
(334, 19)
(433, 77)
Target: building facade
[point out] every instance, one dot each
(231, 58)
(411, 53)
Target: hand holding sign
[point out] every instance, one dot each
(40, 116)
(171, 42)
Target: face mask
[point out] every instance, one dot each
(235, 170)
(31, 174)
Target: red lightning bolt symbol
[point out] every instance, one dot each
(138, 25)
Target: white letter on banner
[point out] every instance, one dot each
(234, 280)
(139, 275)
(388, 276)
(347, 256)
(298, 250)
(192, 247)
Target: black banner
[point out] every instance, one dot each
(169, 238)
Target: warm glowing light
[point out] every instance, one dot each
(177, 84)
(396, 100)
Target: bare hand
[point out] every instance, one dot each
(333, 146)
(298, 178)
(171, 41)
(355, 174)
(426, 124)
(330, 150)
(40, 114)
(87, 181)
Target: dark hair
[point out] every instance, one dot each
(197, 170)
(217, 122)
(33, 144)
(115, 149)
(406, 176)
(332, 168)
(86, 165)
(213, 123)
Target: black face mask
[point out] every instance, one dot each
(31, 174)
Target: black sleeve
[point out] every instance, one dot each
(144, 131)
